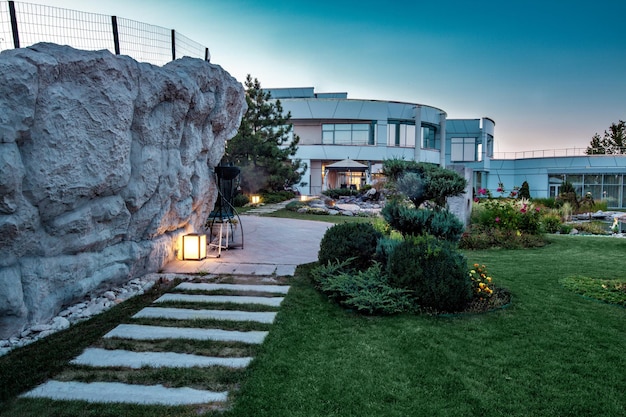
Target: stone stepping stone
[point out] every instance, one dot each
(140, 332)
(189, 314)
(275, 289)
(103, 358)
(236, 299)
(116, 392)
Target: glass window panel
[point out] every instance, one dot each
(611, 195)
(327, 138)
(328, 127)
(361, 127)
(343, 127)
(623, 197)
(595, 190)
(575, 179)
(456, 149)
(612, 179)
(391, 135)
(469, 150)
(592, 179)
(343, 137)
(410, 135)
(360, 137)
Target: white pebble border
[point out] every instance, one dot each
(92, 305)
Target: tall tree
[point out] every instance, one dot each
(265, 144)
(613, 141)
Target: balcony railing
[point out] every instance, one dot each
(551, 153)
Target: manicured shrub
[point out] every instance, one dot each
(240, 200)
(551, 222)
(295, 205)
(350, 240)
(366, 291)
(433, 270)
(412, 222)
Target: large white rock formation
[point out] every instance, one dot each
(104, 163)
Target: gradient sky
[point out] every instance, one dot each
(550, 73)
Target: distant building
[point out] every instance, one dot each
(344, 142)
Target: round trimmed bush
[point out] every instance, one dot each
(434, 270)
(350, 240)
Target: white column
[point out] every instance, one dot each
(418, 133)
(442, 141)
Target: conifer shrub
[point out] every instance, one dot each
(524, 191)
(350, 240)
(365, 291)
(411, 222)
(240, 200)
(433, 270)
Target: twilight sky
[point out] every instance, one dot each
(550, 73)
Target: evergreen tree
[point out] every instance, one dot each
(612, 142)
(264, 144)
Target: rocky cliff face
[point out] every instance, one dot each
(104, 163)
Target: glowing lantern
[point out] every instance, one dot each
(255, 199)
(194, 247)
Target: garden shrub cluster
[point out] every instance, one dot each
(412, 263)
(355, 242)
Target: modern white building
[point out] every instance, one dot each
(344, 142)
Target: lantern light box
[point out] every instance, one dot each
(194, 247)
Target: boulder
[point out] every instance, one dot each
(104, 163)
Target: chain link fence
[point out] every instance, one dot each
(25, 24)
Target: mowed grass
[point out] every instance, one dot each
(551, 353)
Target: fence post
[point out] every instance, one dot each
(116, 35)
(207, 56)
(16, 35)
(173, 45)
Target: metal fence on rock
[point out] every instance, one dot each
(25, 24)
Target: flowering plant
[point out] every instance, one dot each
(482, 283)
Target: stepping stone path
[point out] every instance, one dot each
(106, 392)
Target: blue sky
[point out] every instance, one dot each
(550, 73)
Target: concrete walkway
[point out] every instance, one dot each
(271, 246)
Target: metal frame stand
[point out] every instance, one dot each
(224, 212)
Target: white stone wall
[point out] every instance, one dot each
(104, 163)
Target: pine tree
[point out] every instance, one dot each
(613, 141)
(264, 144)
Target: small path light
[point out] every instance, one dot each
(194, 247)
(255, 199)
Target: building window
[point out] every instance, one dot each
(429, 138)
(602, 187)
(463, 149)
(348, 134)
(400, 133)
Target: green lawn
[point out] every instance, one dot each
(551, 353)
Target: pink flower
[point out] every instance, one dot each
(513, 193)
(476, 199)
(523, 210)
(497, 220)
(537, 209)
(482, 191)
(500, 189)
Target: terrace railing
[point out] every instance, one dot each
(549, 153)
(25, 24)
